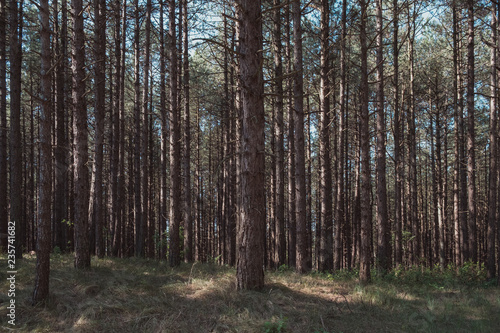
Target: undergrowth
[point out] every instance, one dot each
(141, 295)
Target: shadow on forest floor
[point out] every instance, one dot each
(140, 295)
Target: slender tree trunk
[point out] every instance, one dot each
(145, 147)
(280, 254)
(292, 218)
(471, 156)
(326, 244)
(342, 211)
(139, 236)
(96, 191)
(116, 135)
(383, 247)
(440, 236)
(412, 149)
(251, 232)
(61, 145)
(122, 233)
(188, 221)
(398, 220)
(493, 185)
(80, 152)
(164, 141)
(43, 249)
(300, 171)
(175, 156)
(366, 222)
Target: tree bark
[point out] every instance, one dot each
(61, 137)
(251, 232)
(383, 248)
(398, 186)
(164, 142)
(139, 232)
(365, 193)
(145, 147)
(175, 154)
(493, 185)
(80, 145)
(326, 243)
(300, 171)
(471, 156)
(280, 254)
(96, 191)
(43, 248)
(188, 222)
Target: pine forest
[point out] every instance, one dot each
(315, 137)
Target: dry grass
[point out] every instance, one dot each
(139, 295)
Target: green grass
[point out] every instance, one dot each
(140, 295)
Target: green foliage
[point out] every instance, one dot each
(67, 222)
(275, 327)
(57, 250)
(284, 268)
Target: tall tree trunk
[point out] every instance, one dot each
(398, 186)
(251, 232)
(43, 248)
(326, 244)
(493, 185)
(439, 238)
(365, 193)
(61, 139)
(139, 235)
(188, 221)
(122, 233)
(80, 145)
(116, 135)
(471, 156)
(280, 254)
(414, 222)
(292, 218)
(96, 190)
(16, 176)
(175, 149)
(164, 141)
(145, 133)
(340, 225)
(383, 247)
(300, 163)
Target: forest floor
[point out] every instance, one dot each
(141, 295)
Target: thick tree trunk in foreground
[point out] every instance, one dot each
(251, 231)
